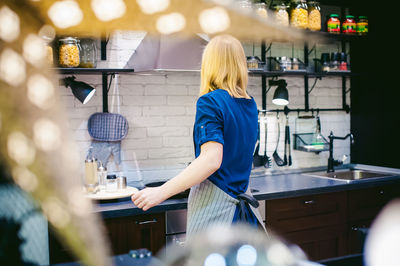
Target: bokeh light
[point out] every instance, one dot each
(47, 135)
(34, 50)
(215, 259)
(9, 24)
(40, 91)
(246, 256)
(214, 20)
(12, 67)
(25, 178)
(20, 148)
(153, 6)
(106, 10)
(65, 14)
(55, 212)
(171, 23)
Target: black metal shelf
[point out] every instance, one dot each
(343, 73)
(329, 37)
(87, 71)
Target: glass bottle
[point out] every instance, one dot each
(261, 10)
(362, 25)
(333, 24)
(102, 172)
(282, 15)
(299, 14)
(89, 53)
(314, 16)
(349, 25)
(69, 52)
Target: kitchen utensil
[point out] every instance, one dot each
(267, 161)
(107, 127)
(286, 141)
(257, 159)
(111, 183)
(278, 160)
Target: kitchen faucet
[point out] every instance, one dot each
(332, 162)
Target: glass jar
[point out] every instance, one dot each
(349, 25)
(362, 25)
(333, 24)
(88, 53)
(252, 62)
(282, 15)
(314, 16)
(343, 61)
(111, 183)
(325, 61)
(69, 52)
(299, 14)
(49, 50)
(335, 61)
(261, 10)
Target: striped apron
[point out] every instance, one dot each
(210, 205)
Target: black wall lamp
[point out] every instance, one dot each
(81, 90)
(281, 94)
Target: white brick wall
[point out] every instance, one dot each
(160, 109)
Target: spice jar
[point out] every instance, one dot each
(88, 53)
(111, 183)
(349, 25)
(362, 25)
(299, 14)
(325, 62)
(281, 15)
(335, 61)
(333, 24)
(314, 16)
(261, 10)
(343, 61)
(69, 52)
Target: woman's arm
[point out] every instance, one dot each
(201, 168)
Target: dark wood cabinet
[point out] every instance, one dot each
(331, 224)
(141, 231)
(124, 234)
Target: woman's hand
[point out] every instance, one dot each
(148, 197)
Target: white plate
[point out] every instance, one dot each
(121, 193)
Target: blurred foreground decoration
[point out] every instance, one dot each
(238, 244)
(34, 140)
(88, 17)
(35, 145)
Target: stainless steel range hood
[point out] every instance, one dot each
(168, 53)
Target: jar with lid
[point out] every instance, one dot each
(335, 61)
(343, 62)
(299, 14)
(252, 62)
(314, 16)
(69, 52)
(261, 10)
(49, 50)
(349, 25)
(111, 183)
(88, 53)
(285, 63)
(333, 24)
(281, 14)
(325, 62)
(91, 177)
(362, 25)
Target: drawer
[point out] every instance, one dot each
(364, 204)
(356, 237)
(305, 212)
(320, 243)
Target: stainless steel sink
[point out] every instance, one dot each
(349, 174)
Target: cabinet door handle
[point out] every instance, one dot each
(146, 222)
(309, 202)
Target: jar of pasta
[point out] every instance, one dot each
(69, 52)
(282, 15)
(314, 16)
(49, 50)
(299, 14)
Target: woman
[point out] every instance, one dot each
(225, 133)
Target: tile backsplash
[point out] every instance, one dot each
(160, 109)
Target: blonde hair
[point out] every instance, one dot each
(224, 66)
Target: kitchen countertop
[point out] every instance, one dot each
(266, 186)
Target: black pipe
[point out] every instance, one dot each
(288, 110)
(105, 92)
(263, 79)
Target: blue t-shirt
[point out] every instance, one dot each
(233, 123)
